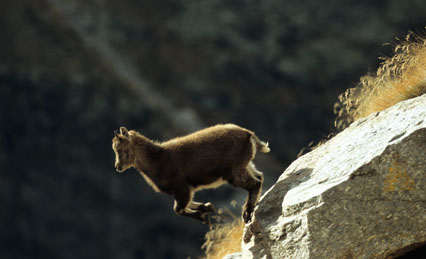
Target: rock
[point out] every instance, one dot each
(360, 195)
(233, 256)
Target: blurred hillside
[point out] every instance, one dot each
(71, 72)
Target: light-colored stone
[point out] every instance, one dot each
(360, 195)
(233, 256)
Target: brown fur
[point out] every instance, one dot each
(205, 159)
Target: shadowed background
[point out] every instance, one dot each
(71, 72)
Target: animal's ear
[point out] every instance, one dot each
(116, 133)
(124, 132)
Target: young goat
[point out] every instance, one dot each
(205, 159)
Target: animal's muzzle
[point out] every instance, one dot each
(118, 168)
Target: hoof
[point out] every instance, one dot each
(208, 207)
(247, 216)
(205, 218)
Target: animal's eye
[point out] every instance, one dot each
(119, 150)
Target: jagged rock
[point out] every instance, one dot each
(360, 195)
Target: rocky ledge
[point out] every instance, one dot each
(362, 194)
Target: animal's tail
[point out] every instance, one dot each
(260, 145)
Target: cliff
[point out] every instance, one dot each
(360, 195)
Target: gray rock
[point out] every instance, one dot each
(360, 195)
(233, 256)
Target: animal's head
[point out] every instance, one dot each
(122, 146)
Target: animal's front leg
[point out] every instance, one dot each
(182, 208)
(203, 207)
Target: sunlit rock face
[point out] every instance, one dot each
(360, 195)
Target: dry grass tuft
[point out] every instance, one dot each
(224, 238)
(399, 78)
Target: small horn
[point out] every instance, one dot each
(124, 132)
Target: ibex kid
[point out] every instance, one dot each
(205, 159)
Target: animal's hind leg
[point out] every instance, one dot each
(182, 201)
(251, 180)
(254, 172)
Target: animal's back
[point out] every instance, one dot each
(212, 151)
(221, 133)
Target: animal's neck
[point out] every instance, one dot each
(147, 153)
